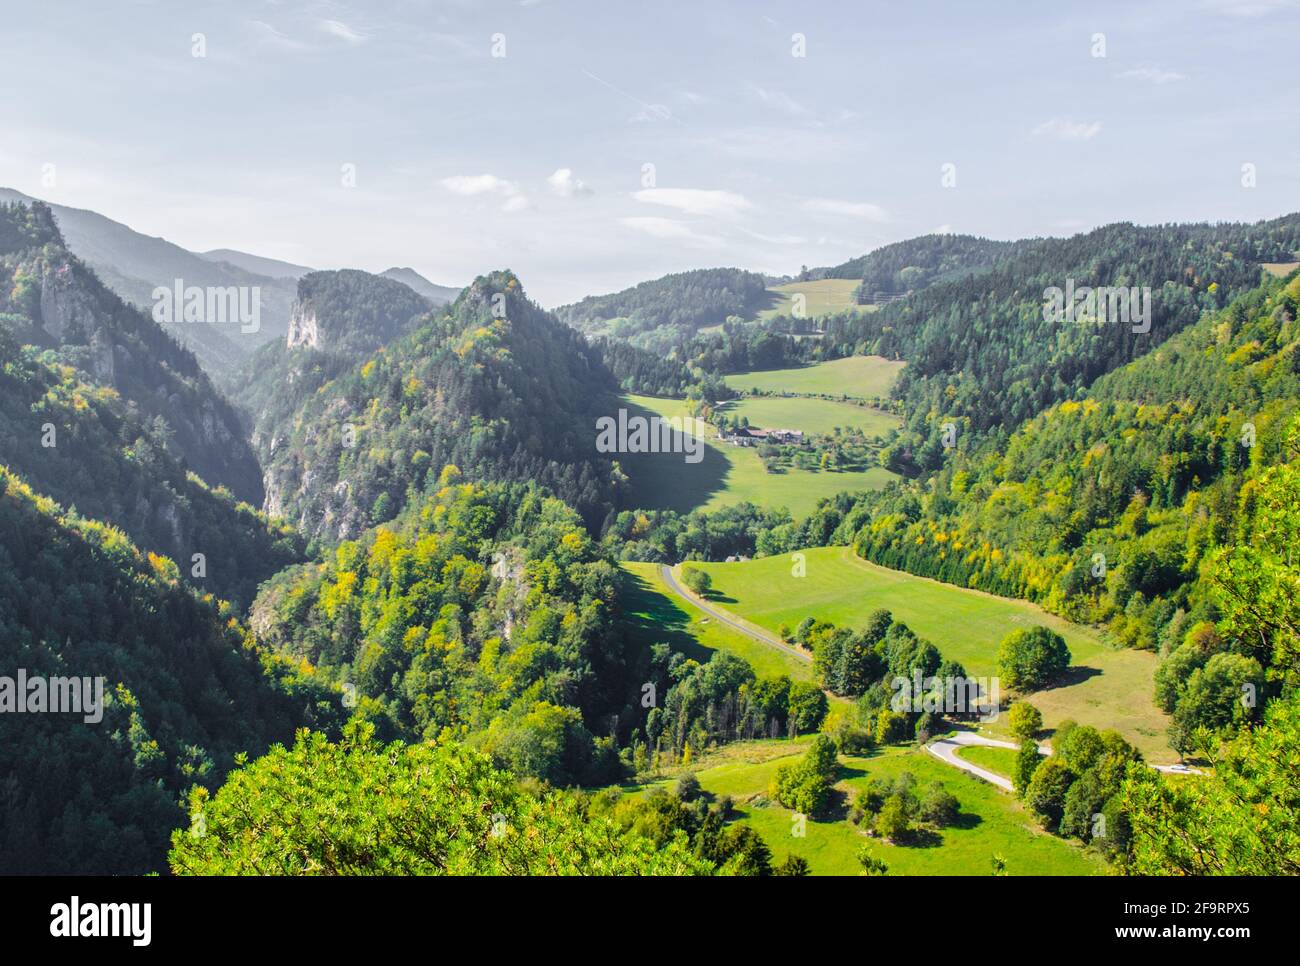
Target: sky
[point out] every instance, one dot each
(592, 145)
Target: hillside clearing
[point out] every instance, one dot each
(854, 376)
(825, 296)
(728, 474)
(991, 821)
(1106, 687)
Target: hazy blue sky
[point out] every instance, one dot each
(467, 162)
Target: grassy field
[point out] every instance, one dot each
(823, 297)
(1106, 687)
(728, 475)
(656, 615)
(1001, 761)
(811, 415)
(991, 822)
(861, 376)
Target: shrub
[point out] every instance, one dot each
(697, 581)
(688, 787)
(894, 823)
(1025, 720)
(939, 807)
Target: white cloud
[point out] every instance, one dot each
(668, 229)
(695, 201)
(781, 101)
(337, 28)
(1065, 130)
(852, 209)
(651, 113)
(564, 184)
(776, 239)
(478, 184)
(472, 185)
(1154, 75)
(275, 37)
(1248, 8)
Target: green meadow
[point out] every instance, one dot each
(728, 474)
(857, 376)
(991, 822)
(811, 415)
(654, 615)
(825, 296)
(1105, 687)
(1000, 761)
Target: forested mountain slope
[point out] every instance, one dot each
(338, 318)
(48, 298)
(1119, 507)
(132, 265)
(686, 301)
(914, 264)
(484, 609)
(184, 693)
(493, 384)
(983, 354)
(82, 446)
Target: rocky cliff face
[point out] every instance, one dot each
(52, 299)
(304, 327)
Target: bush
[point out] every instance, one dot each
(852, 735)
(870, 864)
(793, 865)
(688, 787)
(939, 807)
(1025, 720)
(1027, 763)
(894, 823)
(891, 727)
(805, 786)
(1047, 790)
(869, 800)
(697, 581)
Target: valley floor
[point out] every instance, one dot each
(991, 823)
(729, 474)
(1106, 687)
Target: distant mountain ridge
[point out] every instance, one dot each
(133, 264)
(684, 300)
(257, 264)
(435, 293)
(916, 263)
(50, 299)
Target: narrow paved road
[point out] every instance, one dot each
(946, 750)
(758, 634)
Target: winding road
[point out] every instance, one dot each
(758, 634)
(945, 749)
